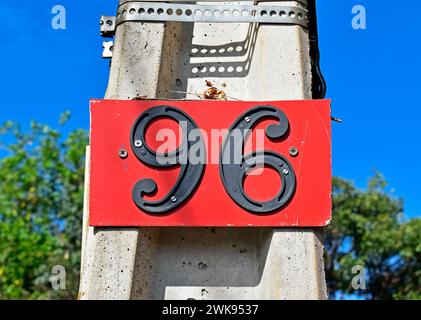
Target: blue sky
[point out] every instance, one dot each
(372, 76)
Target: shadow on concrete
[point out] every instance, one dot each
(180, 53)
(195, 257)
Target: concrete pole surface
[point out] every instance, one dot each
(251, 62)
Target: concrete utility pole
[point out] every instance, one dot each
(154, 59)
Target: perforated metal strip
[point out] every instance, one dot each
(304, 2)
(153, 11)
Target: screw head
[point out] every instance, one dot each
(285, 171)
(123, 153)
(247, 119)
(293, 151)
(138, 143)
(173, 199)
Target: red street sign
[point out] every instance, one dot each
(210, 163)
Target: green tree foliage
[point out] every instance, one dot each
(369, 230)
(41, 195)
(41, 203)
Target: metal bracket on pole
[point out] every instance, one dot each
(156, 11)
(108, 49)
(121, 2)
(107, 26)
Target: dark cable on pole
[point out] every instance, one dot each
(318, 81)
